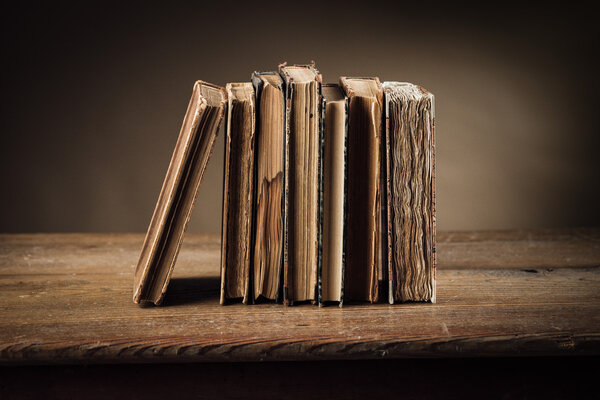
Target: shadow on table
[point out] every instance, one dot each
(199, 290)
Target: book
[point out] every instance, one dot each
(302, 182)
(331, 282)
(410, 144)
(364, 263)
(178, 194)
(269, 204)
(238, 180)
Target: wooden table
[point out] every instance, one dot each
(66, 299)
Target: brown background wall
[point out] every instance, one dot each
(94, 94)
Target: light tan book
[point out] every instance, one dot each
(238, 196)
(364, 264)
(303, 182)
(334, 194)
(178, 194)
(410, 138)
(269, 186)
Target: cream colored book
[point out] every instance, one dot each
(331, 282)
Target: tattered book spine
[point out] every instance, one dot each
(295, 188)
(238, 189)
(345, 222)
(319, 288)
(387, 229)
(410, 126)
(269, 187)
(286, 273)
(364, 213)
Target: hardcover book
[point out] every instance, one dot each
(178, 194)
(410, 144)
(269, 195)
(364, 263)
(302, 254)
(331, 282)
(238, 179)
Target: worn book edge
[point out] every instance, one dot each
(379, 96)
(288, 87)
(258, 84)
(387, 86)
(226, 170)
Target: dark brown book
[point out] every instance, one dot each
(303, 182)
(410, 138)
(269, 185)
(364, 264)
(331, 276)
(178, 194)
(238, 177)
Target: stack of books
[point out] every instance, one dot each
(328, 190)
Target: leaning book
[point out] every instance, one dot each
(178, 194)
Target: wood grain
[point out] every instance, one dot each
(66, 298)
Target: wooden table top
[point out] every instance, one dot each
(66, 298)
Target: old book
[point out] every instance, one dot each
(331, 282)
(269, 186)
(176, 200)
(364, 262)
(303, 180)
(409, 111)
(238, 179)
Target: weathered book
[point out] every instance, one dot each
(238, 179)
(410, 120)
(364, 262)
(331, 282)
(178, 194)
(302, 179)
(269, 193)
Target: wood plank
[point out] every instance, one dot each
(66, 298)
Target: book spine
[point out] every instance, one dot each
(345, 225)
(257, 83)
(248, 276)
(224, 222)
(286, 273)
(386, 203)
(433, 215)
(319, 291)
